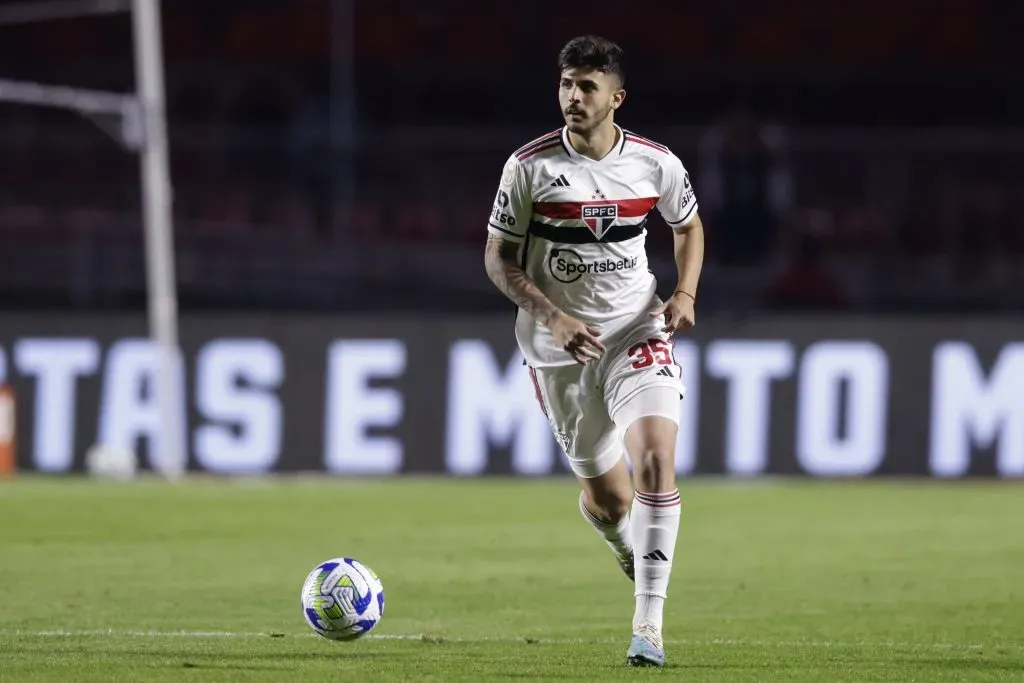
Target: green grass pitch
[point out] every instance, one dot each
(502, 580)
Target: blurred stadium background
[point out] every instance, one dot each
(860, 172)
(333, 163)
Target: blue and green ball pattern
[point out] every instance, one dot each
(342, 599)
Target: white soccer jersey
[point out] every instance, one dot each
(582, 226)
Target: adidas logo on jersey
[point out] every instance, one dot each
(560, 181)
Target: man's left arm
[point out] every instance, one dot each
(678, 206)
(688, 244)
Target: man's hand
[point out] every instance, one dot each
(576, 338)
(678, 312)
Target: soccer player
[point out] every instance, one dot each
(566, 244)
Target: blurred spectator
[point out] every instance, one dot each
(982, 232)
(806, 283)
(745, 184)
(266, 150)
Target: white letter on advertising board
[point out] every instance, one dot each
(235, 388)
(821, 448)
(969, 411)
(490, 404)
(129, 407)
(56, 363)
(750, 367)
(353, 406)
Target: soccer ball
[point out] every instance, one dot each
(342, 599)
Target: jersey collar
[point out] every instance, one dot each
(615, 151)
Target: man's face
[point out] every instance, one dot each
(588, 97)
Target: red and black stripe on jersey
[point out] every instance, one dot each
(640, 140)
(552, 139)
(627, 208)
(535, 141)
(551, 144)
(580, 234)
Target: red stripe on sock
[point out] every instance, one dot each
(658, 496)
(665, 494)
(669, 499)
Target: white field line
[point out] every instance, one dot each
(709, 642)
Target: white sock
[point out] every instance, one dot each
(617, 535)
(655, 521)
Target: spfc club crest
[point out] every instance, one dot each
(600, 217)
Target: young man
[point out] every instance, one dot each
(566, 244)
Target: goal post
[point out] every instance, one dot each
(143, 130)
(159, 239)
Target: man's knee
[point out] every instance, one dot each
(651, 442)
(654, 469)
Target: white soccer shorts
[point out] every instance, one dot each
(591, 406)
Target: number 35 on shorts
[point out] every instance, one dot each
(651, 352)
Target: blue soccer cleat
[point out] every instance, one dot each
(645, 649)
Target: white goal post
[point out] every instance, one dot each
(143, 129)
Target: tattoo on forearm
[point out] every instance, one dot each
(510, 279)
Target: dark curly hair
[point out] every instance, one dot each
(592, 52)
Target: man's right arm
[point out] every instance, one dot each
(507, 228)
(510, 218)
(508, 276)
